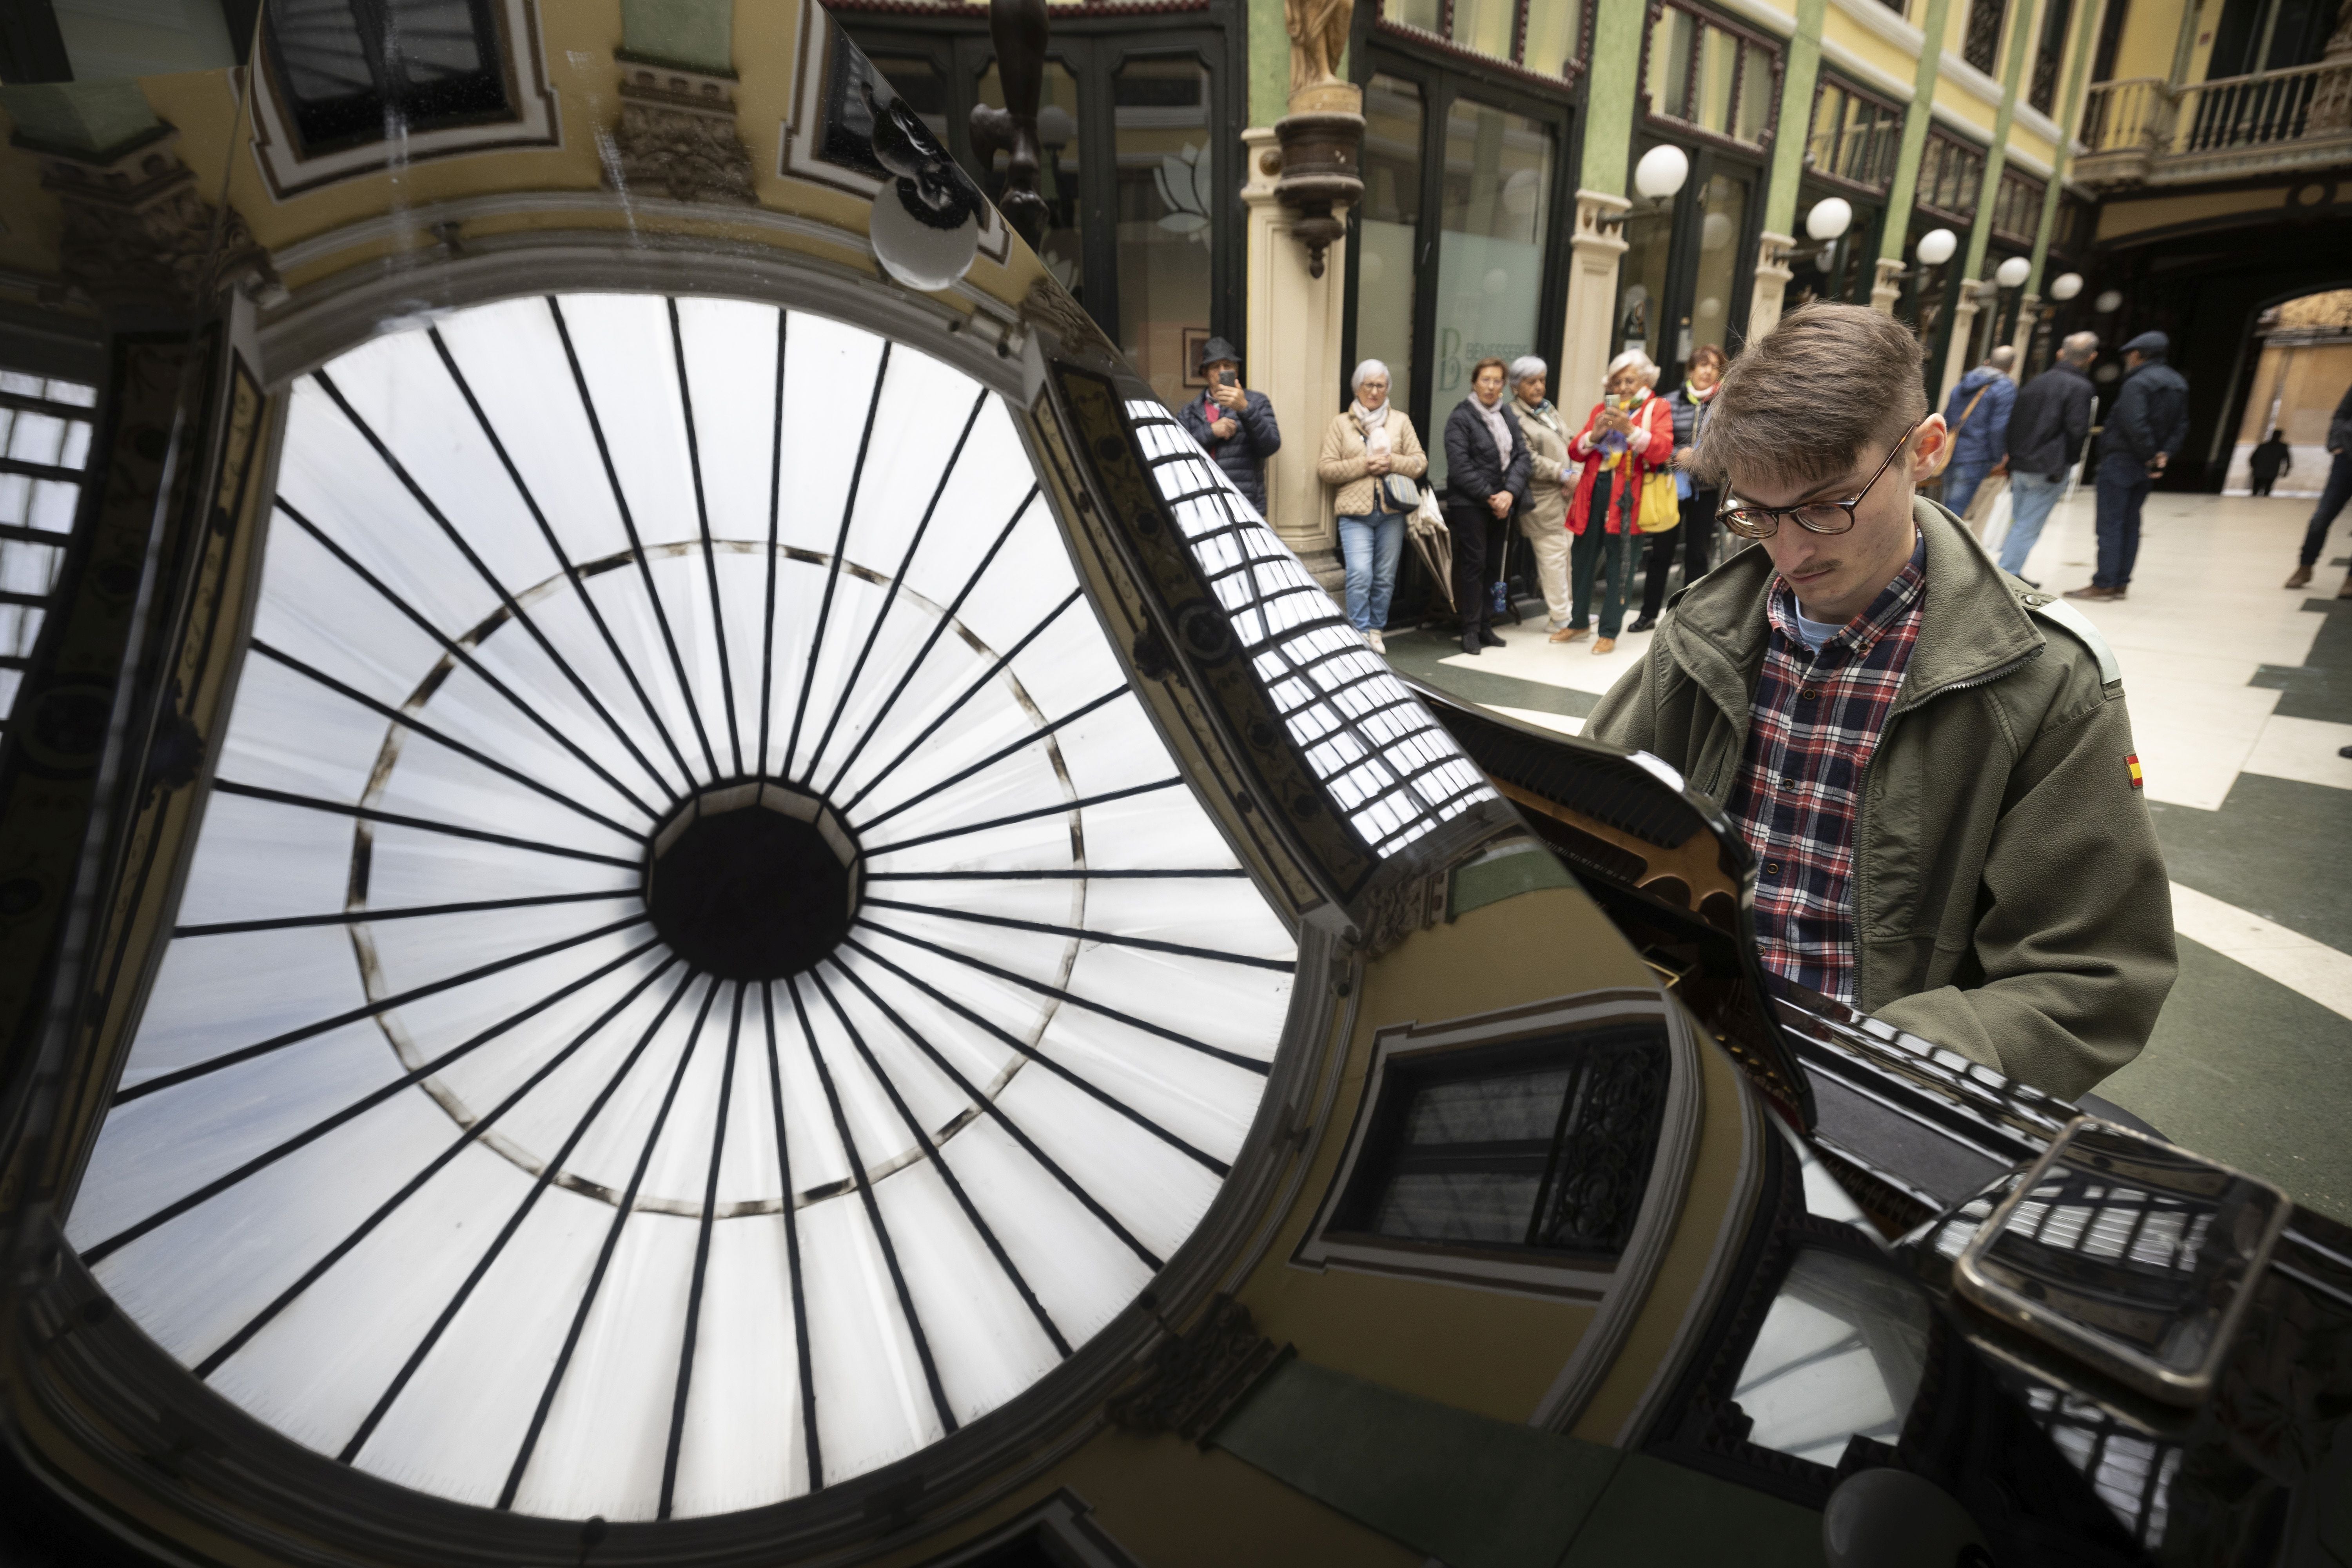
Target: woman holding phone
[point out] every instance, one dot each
(1373, 459)
(1629, 433)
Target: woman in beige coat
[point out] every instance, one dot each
(1543, 516)
(1365, 448)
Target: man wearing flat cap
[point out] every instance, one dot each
(2145, 429)
(1234, 427)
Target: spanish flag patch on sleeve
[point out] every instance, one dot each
(2131, 764)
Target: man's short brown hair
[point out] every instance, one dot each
(1805, 403)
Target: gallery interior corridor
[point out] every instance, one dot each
(2241, 694)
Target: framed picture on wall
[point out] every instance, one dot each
(1195, 340)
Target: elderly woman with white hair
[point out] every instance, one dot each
(1551, 471)
(1629, 433)
(1372, 456)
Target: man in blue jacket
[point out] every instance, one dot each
(1977, 416)
(2046, 432)
(2339, 490)
(1234, 427)
(2145, 429)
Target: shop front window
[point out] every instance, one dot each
(1541, 36)
(1641, 282)
(1391, 216)
(1062, 250)
(1167, 199)
(1723, 219)
(1490, 253)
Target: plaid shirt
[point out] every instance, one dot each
(1817, 719)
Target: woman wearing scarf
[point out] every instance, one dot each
(1363, 448)
(1543, 518)
(1629, 433)
(1689, 407)
(1486, 466)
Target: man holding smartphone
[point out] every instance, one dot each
(1234, 425)
(1932, 761)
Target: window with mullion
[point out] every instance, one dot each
(1709, 77)
(1854, 137)
(353, 71)
(1546, 37)
(1980, 45)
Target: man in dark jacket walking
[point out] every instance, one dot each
(2145, 430)
(1234, 427)
(2046, 432)
(2332, 499)
(2266, 462)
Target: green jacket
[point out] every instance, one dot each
(2009, 899)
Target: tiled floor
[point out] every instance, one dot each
(2241, 694)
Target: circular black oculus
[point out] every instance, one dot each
(752, 882)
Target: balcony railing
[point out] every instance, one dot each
(2144, 129)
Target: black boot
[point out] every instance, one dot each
(1486, 638)
(1471, 644)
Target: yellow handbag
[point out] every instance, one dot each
(1662, 509)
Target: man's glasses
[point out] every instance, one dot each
(1813, 516)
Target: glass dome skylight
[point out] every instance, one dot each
(697, 976)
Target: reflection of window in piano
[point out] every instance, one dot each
(44, 429)
(2131, 1471)
(352, 73)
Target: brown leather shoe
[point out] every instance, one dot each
(1606, 645)
(2095, 592)
(2299, 578)
(1569, 634)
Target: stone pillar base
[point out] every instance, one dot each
(1292, 353)
(1772, 275)
(1588, 342)
(1888, 287)
(2028, 318)
(1955, 358)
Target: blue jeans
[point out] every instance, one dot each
(1960, 482)
(2120, 499)
(2031, 497)
(1370, 546)
(2331, 502)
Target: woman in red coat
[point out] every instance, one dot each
(1629, 433)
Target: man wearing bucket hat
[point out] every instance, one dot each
(1234, 427)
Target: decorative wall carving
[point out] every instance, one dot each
(1197, 1378)
(677, 136)
(137, 233)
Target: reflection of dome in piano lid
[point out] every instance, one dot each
(697, 976)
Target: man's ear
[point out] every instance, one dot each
(1931, 448)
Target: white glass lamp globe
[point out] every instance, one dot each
(1935, 246)
(2109, 302)
(1661, 172)
(1831, 216)
(2013, 272)
(2066, 286)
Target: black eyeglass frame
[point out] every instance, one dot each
(1725, 514)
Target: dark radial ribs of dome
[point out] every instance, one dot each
(539, 1186)
(988, 1106)
(474, 665)
(1231, 1059)
(506, 598)
(572, 574)
(415, 725)
(978, 683)
(931, 638)
(97, 1253)
(833, 572)
(792, 1250)
(1056, 809)
(709, 551)
(1043, 928)
(873, 1214)
(775, 506)
(1067, 874)
(637, 545)
(458, 1145)
(611, 1232)
(421, 824)
(1092, 1091)
(701, 1239)
(408, 912)
(1021, 744)
(380, 1004)
(947, 1171)
(890, 594)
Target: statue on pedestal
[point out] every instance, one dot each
(1319, 36)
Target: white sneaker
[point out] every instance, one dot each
(1373, 638)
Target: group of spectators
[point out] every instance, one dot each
(1584, 501)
